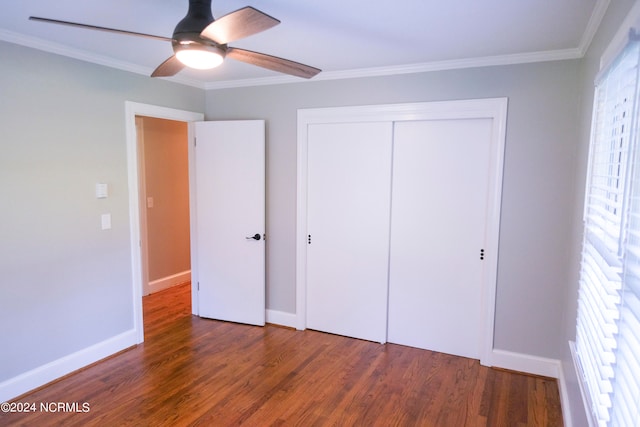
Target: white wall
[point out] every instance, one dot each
(537, 209)
(65, 285)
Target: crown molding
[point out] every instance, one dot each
(488, 61)
(599, 10)
(82, 55)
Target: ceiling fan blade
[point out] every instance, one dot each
(168, 68)
(239, 24)
(273, 63)
(95, 27)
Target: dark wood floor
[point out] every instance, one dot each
(192, 371)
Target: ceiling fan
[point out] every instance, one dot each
(200, 41)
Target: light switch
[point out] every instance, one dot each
(105, 220)
(102, 190)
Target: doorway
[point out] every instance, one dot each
(164, 202)
(132, 110)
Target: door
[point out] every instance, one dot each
(438, 229)
(230, 220)
(349, 184)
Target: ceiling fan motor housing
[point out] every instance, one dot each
(198, 17)
(187, 33)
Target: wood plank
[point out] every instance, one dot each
(192, 371)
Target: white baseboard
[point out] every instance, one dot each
(169, 281)
(526, 363)
(537, 366)
(281, 318)
(44, 374)
(565, 404)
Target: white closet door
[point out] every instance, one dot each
(349, 184)
(440, 190)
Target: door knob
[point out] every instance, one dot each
(254, 237)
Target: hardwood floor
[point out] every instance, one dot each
(192, 371)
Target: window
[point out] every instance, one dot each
(608, 324)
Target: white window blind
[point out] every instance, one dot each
(626, 380)
(608, 324)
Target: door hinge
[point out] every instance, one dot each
(195, 141)
(481, 254)
(309, 239)
(198, 285)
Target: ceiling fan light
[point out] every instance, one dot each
(199, 59)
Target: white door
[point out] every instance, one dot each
(439, 221)
(230, 212)
(348, 205)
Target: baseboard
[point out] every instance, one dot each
(565, 404)
(537, 366)
(169, 281)
(526, 363)
(44, 374)
(281, 318)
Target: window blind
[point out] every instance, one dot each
(608, 323)
(626, 379)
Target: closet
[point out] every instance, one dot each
(398, 216)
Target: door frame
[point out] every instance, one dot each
(133, 109)
(492, 108)
(144, 236)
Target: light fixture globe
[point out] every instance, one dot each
(201, 56)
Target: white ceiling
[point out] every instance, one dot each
(342, 37)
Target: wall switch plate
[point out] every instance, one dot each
(105, 220)
(102, 190)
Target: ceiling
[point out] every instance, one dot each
(344, 38)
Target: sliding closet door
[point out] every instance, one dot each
(348, 205)
(439, 216)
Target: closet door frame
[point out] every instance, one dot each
(489, 108)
